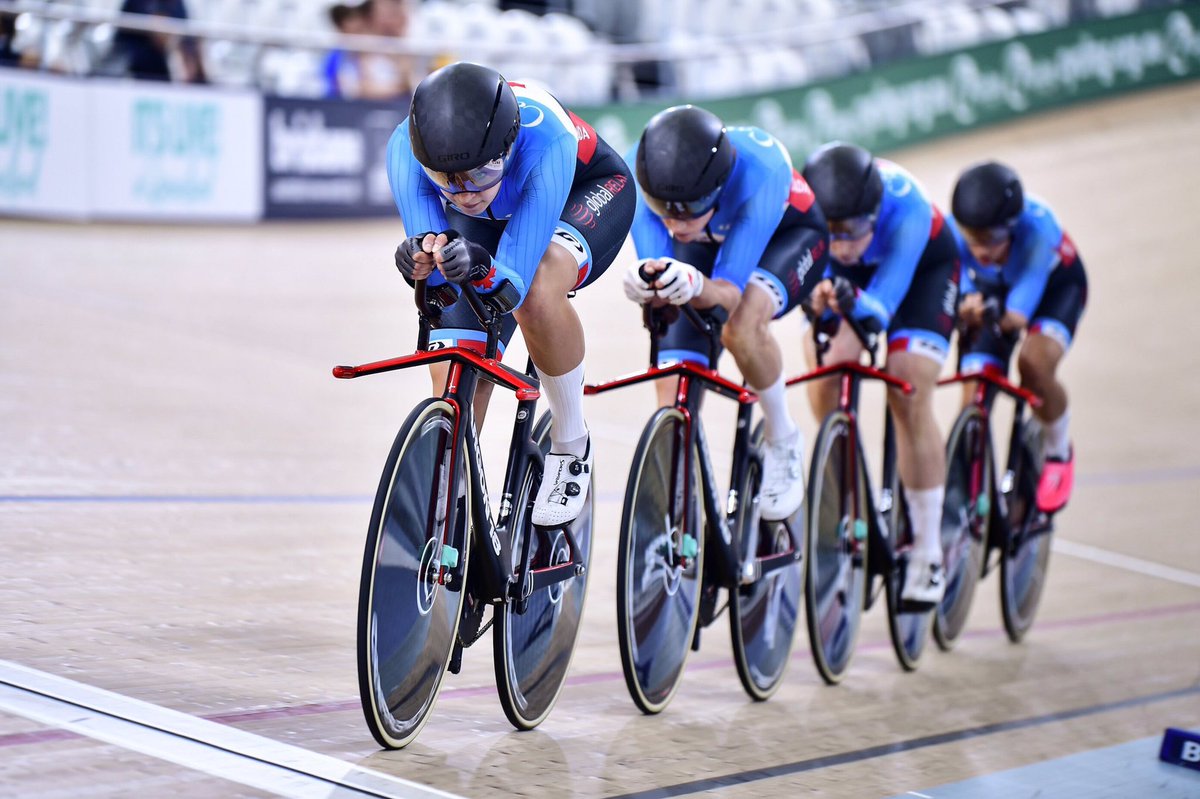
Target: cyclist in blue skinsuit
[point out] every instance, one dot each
(1013, 248)
(893, 244)
(518, 195)
(724, 219)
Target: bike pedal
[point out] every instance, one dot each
(456, 659)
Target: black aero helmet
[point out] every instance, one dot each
(987, 195)
(845, 180)
(683, 160)
(463, 117)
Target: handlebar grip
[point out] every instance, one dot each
(993, 310)
(846, 294)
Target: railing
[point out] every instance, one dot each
(796, 34)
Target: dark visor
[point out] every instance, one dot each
(987, 235)
(683, 209)
(851, 228)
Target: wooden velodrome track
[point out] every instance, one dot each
(184, 491)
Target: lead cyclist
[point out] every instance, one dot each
(499, 184)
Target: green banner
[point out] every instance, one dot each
(917, 99)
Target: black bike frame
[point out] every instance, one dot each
(989, 383)
(500, 584)
(880, 553)
(694, 382)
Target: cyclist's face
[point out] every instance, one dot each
(850, 251)
(473, 202)
(687, 230)
(988, 247)
(850, 238)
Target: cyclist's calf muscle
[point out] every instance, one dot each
(1037, 364)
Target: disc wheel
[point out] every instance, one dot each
(764, 613)
(1026, 555)
(965, 515)
(533, 641)
(407, 617)
(908, 626)
(837, 549)
(660, 561)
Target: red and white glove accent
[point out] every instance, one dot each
(636, 289)
(679, 283)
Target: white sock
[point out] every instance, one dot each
(564, 395)
(777, 421)
(925, 512)
(1058, 441)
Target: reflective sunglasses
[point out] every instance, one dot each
(481, 178)
(684, 209)
(851, 228)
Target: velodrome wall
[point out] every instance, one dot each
(93, 149)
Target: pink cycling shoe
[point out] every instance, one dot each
(1054, 488)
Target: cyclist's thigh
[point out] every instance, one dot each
(791, 265)
(598, 214)
(1058, 314)
(925, 319)
(458, 325)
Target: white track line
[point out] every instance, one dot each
(216, 749)
(1109, 558)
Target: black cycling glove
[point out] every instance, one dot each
(406, 255)
(463, 259)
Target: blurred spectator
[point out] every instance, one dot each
(156, 56)
(342, 69)
(8, 33)
(386, 76)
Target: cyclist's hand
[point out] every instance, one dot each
(822, 297)
(859, 305)
(461, 259)
(636, 289)
(970, 309)
(679, 282)
(414, 257)
(845, 296)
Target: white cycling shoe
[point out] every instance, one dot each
(924, 580)
(782, 489)
(566, 481)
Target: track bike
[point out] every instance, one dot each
(857, 547)
(683, 546)
(986, 520)
(436, 557)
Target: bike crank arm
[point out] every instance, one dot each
(537, 579)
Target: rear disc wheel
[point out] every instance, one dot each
(533, 645)
(764, 614)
